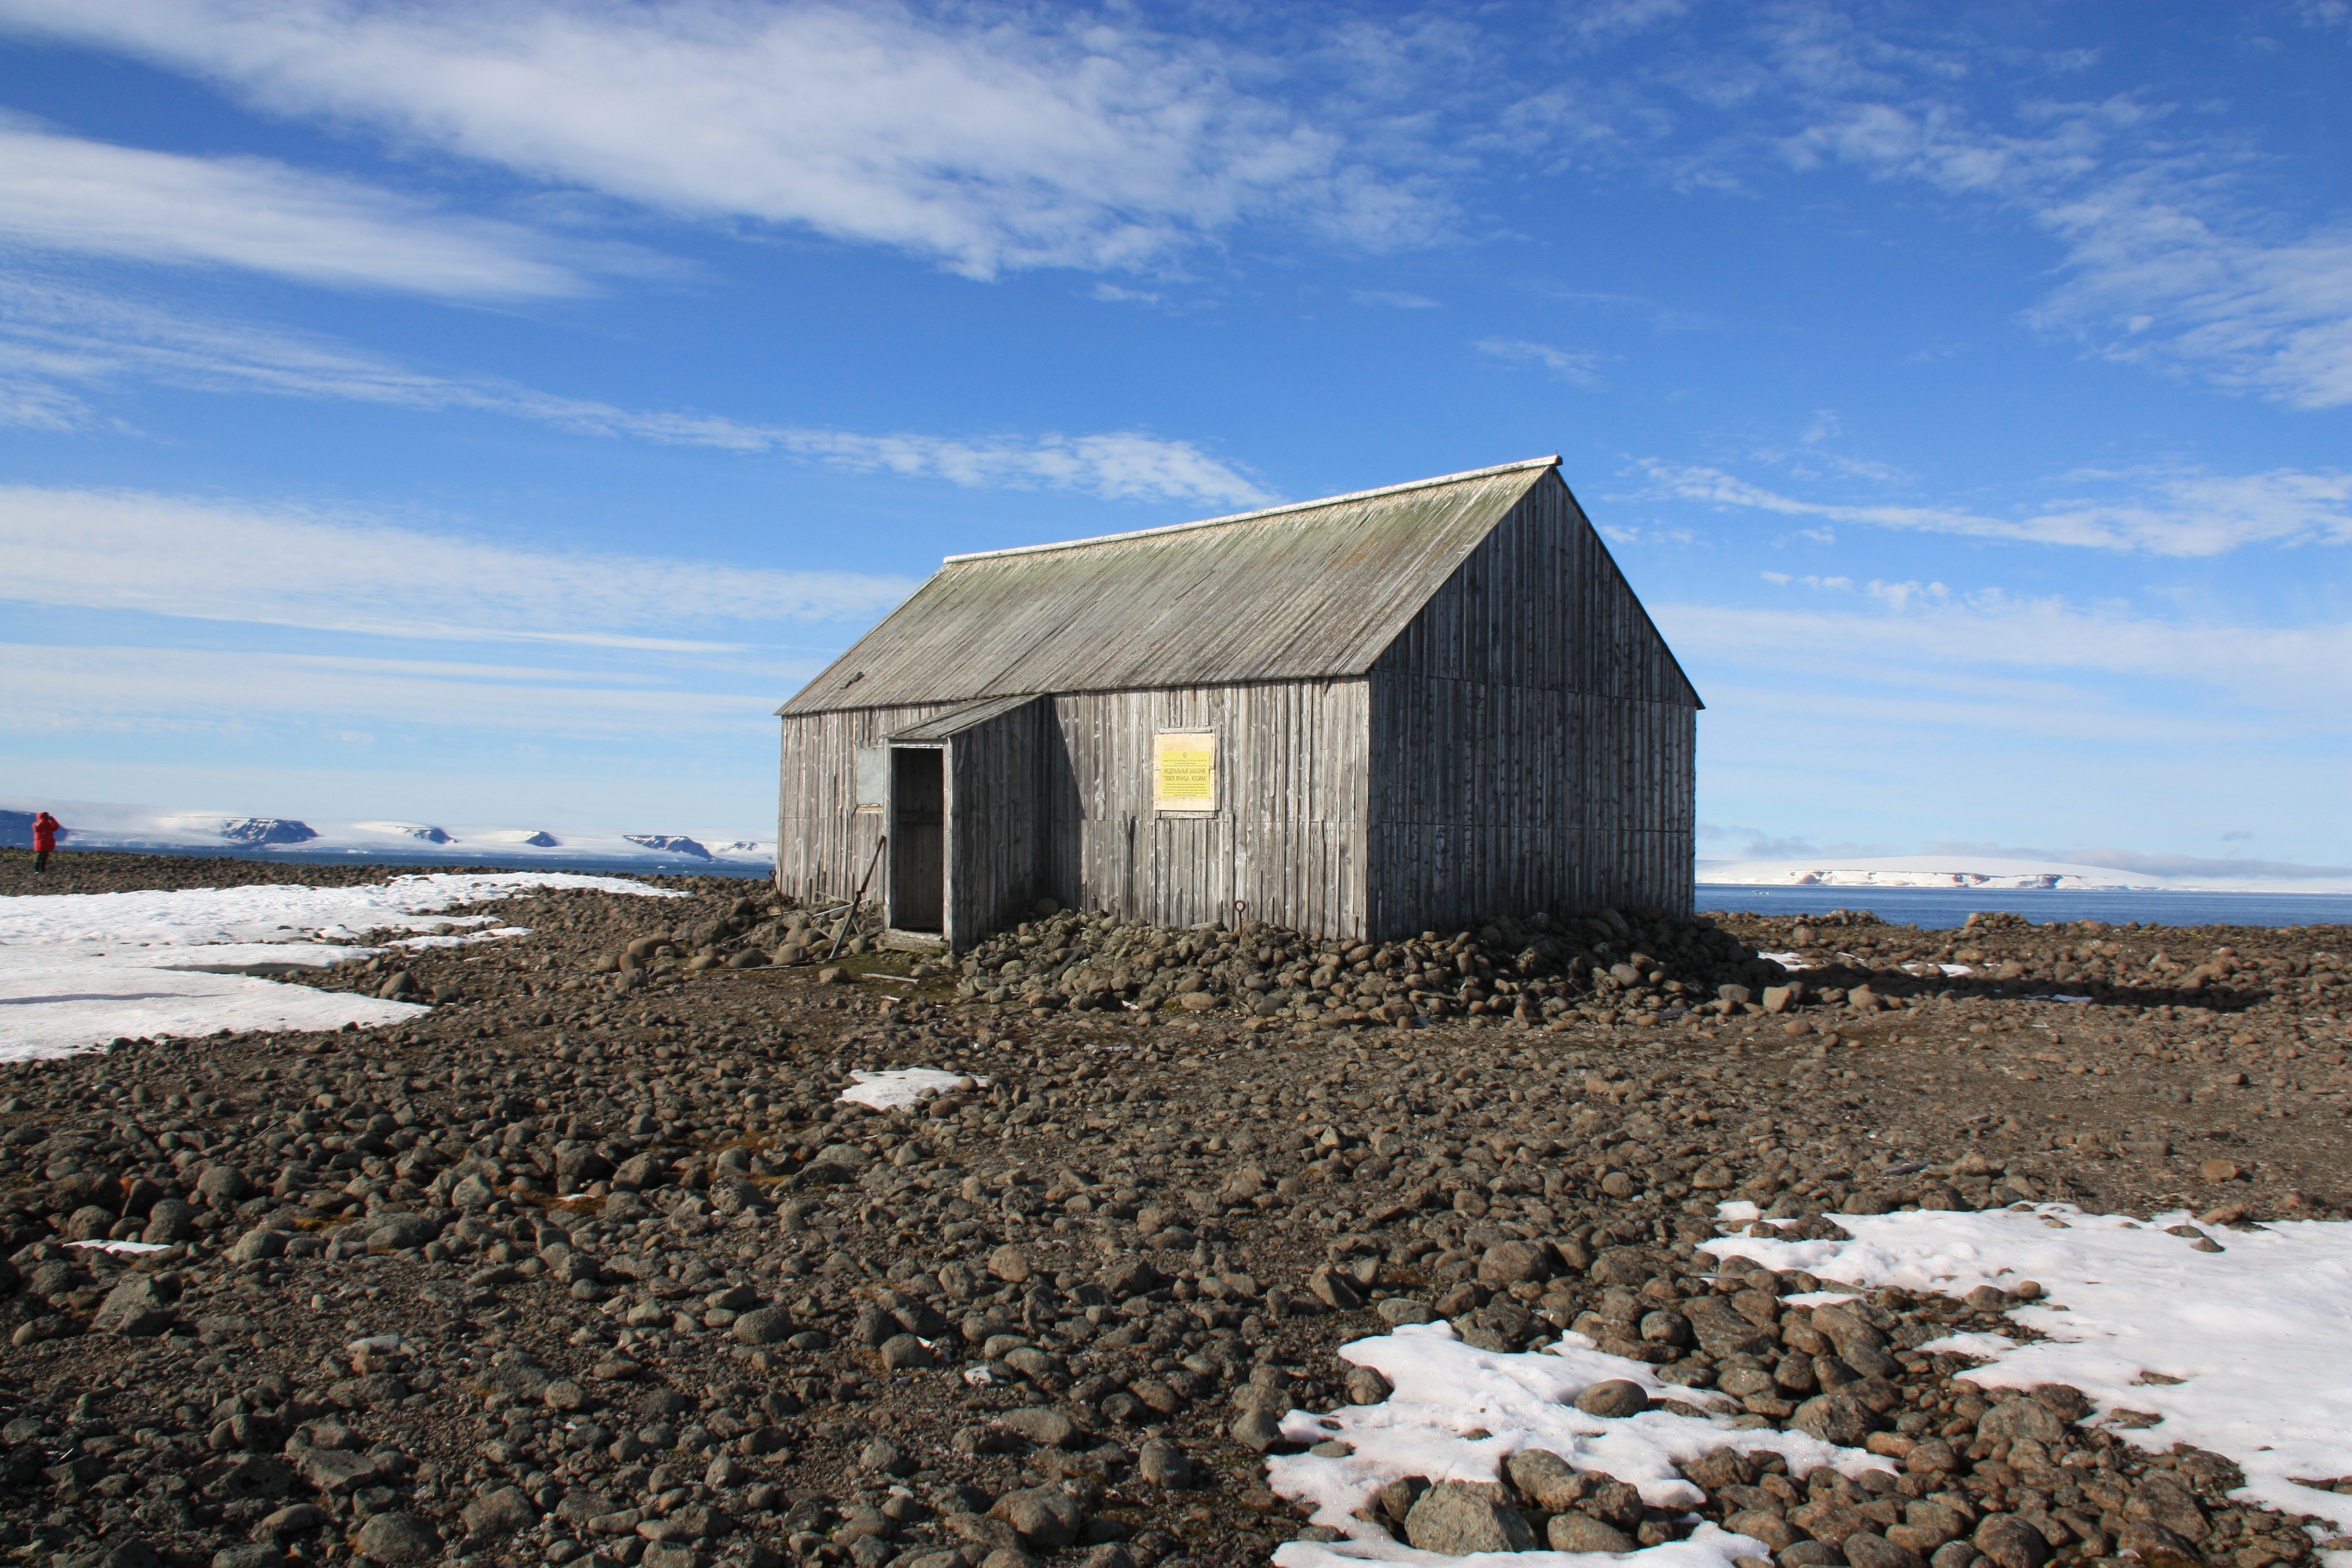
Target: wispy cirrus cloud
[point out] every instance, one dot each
(1973, 650)
(62, 193)
(1393, 299)
(1579, 367)
(2170, 256)
(56, 339)
(196, 559)
(2179, 513)
(253, 691)
(989, 141)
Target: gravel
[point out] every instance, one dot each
(591, 1265)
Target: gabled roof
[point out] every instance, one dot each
(1317, 589)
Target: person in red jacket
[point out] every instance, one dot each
(46, 829)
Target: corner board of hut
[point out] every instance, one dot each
(1403, 710)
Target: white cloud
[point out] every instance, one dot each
(989, 140)
(60, 193)
(1579, 366)
(2068, 651)
(1897, 596)
(2156, 283)
(2168, 259)
(219, 562)
(193, 691)
(2179, 512)
(52, 336)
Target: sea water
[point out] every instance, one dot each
(1939, 907)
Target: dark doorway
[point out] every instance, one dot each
(917, 838)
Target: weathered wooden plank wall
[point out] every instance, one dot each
(1287, 834)
(996, 807)
(823, 841)
(1532, 740)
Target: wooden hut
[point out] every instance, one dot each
(1366, 716)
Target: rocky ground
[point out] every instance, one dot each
(590, 1265)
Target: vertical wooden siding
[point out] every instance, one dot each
(996, 810)
(1533, 742)
(823, 841)
(1287, 835)
(1287, 839)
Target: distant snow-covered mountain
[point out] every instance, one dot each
(1991, 873)
(96, 825)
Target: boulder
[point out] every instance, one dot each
(1512, 1263)
(134, 1309)
(1838, 1418)
(2010, 1542)
(399, 1537)
(1457, 1518)
(502, 1512)
(763, 1326)
(1046, 1518)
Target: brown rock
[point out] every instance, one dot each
(1768, 1528)
(2156, 1546)
(2160, 1499)
(2014, 1419)
(1580, 1532)
(1616, 1398)
(1868, 1549)
(1544, 1479)
(1511, 1263)
(2011, 1543)
(1461, 1517)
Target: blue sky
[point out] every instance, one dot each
(491, 412)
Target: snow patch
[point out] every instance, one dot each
(1458, 1413)
(2255, 1332)
(122, 1245)
(904, 1085)
(79, 968)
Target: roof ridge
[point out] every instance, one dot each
(1550, 462)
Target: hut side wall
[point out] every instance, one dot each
(1287, 836)
(995, 822)
(1533, 743)
(823, 841)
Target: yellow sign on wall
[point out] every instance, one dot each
(1184, 770)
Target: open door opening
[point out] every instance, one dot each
(917, 838)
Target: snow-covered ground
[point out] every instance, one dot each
(2250, 1341)
(93, 824)
(77, 970)
(1977, 872)
(1458, 1413)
